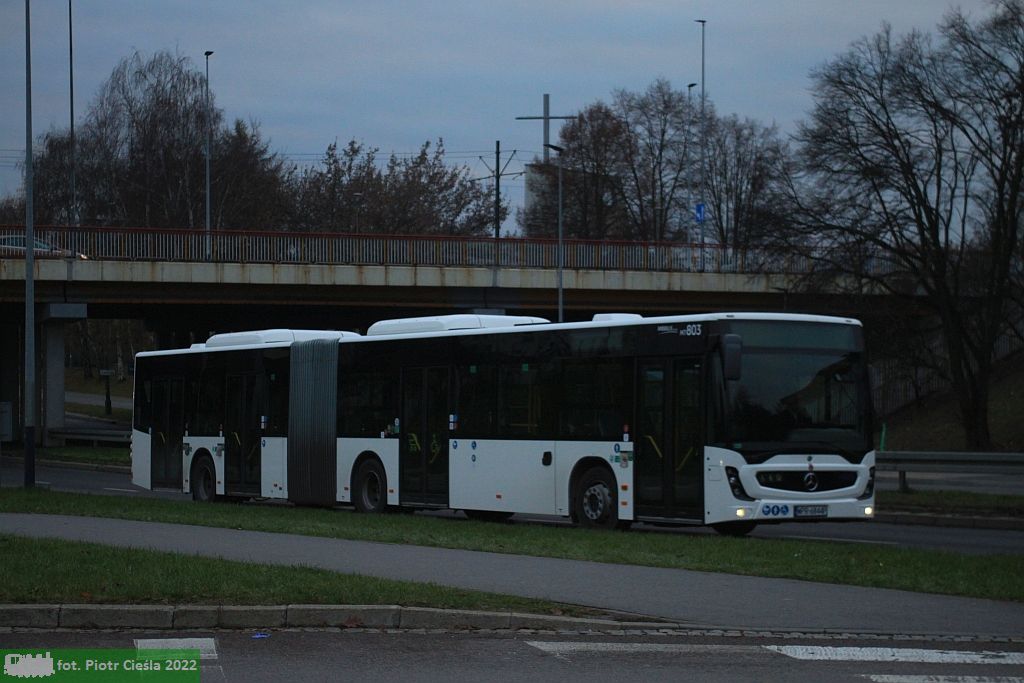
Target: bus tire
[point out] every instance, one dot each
(370, 487)
(735, 529)
(595, 504)
(203, 480)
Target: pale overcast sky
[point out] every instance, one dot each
(394, 74)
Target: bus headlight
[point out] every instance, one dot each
(742, 512)
(868, 511)
(732, 475)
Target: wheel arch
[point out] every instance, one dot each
(583, 466)
(201, 456)
(358, 462)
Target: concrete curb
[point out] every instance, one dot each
(235, 617)
(396, 617)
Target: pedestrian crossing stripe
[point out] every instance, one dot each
(895, 654)
(207, 646)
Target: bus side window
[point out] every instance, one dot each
(367, 401)
(527, 400)
(477, 399)
(143, 403)
(210, 403)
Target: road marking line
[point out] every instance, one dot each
(891, 678)
(567, 647)
(892, 654)
(207, 646)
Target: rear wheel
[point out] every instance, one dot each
(369, 490)
(736, 529)
(203, 480)
(595, 504)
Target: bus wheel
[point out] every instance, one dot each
(736, 529)
(595, 500)
(369, 490)
(488, 515)
(203, 480)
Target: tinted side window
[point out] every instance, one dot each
(276, 367)
(478, 399)
(596, 398)
(143, 395)
(527, 405)
(210, 402)
(367, 401)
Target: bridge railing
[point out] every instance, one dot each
(148, 244)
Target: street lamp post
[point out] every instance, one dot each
(73, 214)
(30, 291)
(703, 140)
(209, 145)
(561, 253)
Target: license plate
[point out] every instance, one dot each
(810, 510)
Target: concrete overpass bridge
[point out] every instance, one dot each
(187, 283)
(322, 280)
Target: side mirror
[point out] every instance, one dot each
(732, 356)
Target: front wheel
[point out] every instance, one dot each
(203, 481)
(595, 503)
(369, 490)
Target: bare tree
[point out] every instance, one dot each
(593, 204)
(417, 195)
(915, 155)
(747, 165)
(658, 159)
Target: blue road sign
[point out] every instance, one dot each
(698, 213)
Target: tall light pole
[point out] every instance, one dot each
(561, 253)
(209, 145)
(73, 214)
(30, 288)
(689, 116)
(703, 142)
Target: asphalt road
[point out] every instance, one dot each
(414, 657)
(967, 541)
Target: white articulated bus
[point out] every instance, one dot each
(730, 419)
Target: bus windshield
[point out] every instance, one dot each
(795, 400)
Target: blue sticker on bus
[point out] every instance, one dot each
(455, 445)
(775, 511)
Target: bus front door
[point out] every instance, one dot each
(242, 435)
(168, 432)
(423, 454)
(668, 439)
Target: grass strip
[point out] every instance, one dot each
(53, 571)
(990, 576)
(952, 502)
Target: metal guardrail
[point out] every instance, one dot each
(93, 436)
(947, 462)
(148, 244)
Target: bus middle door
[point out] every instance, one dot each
(423, 454)
(242, 452)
